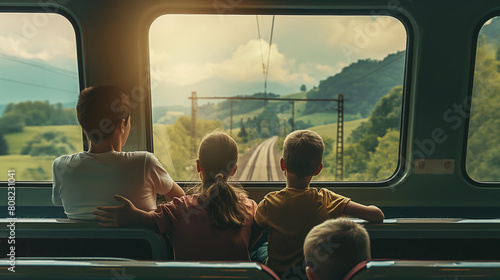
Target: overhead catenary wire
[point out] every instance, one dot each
(261, 52)
(265, 67)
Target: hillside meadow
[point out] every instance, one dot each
(35, 168)
(39, 168)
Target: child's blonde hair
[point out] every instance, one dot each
(333, 248)
(218, 155)
(303, 152)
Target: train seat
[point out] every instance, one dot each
(406, 269)
(72, 238)
(435, 239)
(88, 269)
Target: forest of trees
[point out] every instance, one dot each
(483, 148)
(173, 145)
(35, 113)
(371, 153)
(4, 147)
(372, 150)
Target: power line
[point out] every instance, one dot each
(37, 85)
(265, 67)
(260, 45)
(269, 55)
(54, 69)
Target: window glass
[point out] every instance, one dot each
(260, 77)
(39, 88)
(483, 148)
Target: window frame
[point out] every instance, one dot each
(400, 14)
(60, 10)
(474, 47)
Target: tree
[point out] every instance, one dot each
(48, 144)
(173, 146)
(365, 140)
(383, 161)
(483, 151)
(243, 133)
(4, 148)
(34, 113)
(303, 88)
(11, 123)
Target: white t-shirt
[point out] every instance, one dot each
(83, 181)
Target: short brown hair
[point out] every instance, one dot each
(303, 152)
(100, 109)
(336, 246)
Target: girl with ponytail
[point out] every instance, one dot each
(214, 223)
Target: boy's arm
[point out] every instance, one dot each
(123, 215)
(370, 213)
(259, 222)
(256, 234)
(175, 191)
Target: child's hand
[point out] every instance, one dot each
(123, 215)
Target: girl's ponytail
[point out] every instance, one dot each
(224, 202)
(224, 207)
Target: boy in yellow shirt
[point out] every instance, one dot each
(293, 211)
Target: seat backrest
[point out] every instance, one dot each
(70, 238)
(357, 269)
(128, 269)
(435, 270)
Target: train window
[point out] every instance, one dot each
(258, 77)
(39, 87)
(483, 149)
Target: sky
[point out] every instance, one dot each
(224, 55)
(215, 55)
(38, 59)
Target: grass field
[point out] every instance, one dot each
(38, 168)
(16, 141)
(27, 168)
(318, 119)
(330, 130)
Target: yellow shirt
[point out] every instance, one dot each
(291, 214)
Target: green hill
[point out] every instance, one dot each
(362, 83)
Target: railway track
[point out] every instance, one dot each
(262, 165)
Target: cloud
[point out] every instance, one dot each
(306, 49)
(47, 37)
(325, 68)
(367, 37)
(244, 64)
(12, 46)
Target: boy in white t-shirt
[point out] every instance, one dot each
(85, 180)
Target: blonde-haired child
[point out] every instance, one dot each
(333, 248)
